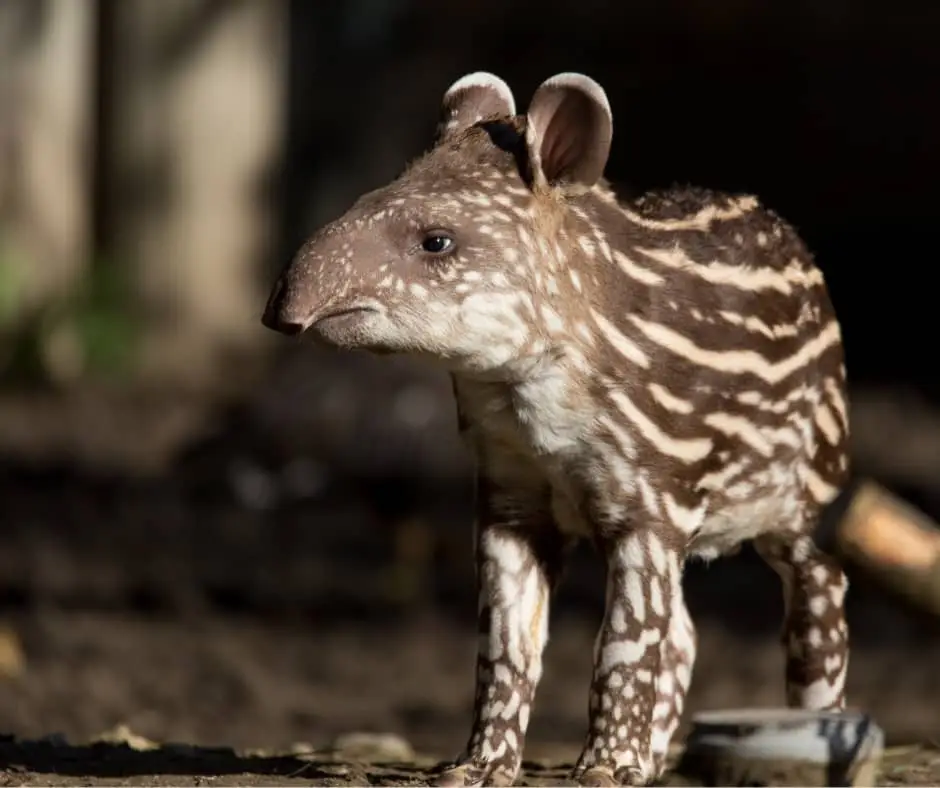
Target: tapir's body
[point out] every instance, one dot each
(663, 377)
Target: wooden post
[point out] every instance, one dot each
(193, 129)
(46, 74)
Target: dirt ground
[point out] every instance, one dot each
(264, 597)
(248, 703)
(145, 764)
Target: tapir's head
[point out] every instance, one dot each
(462, 257)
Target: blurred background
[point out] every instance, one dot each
(214, 535)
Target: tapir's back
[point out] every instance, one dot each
(718, 328)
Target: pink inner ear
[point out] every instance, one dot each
(572, 133)
(561, 148)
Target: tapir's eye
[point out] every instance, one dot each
(437, 242)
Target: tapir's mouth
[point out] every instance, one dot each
(341, 314)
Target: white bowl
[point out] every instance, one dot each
(783, 747)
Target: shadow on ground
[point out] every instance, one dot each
(60, 764)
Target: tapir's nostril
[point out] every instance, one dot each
(273, 316)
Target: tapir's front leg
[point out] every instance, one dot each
(519, 559)
(642, 663)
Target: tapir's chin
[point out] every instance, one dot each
(350, 328)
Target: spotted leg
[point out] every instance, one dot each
(675, 674)
(815, 633)
(518, 564)
(627, 710)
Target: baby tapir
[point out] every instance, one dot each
(662, 376)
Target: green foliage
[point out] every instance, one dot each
(88, 333)
(11, 275)
(104, 324)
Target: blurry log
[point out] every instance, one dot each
(892, 542)
(911, 458)
(192, 136)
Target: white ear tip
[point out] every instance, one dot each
(486, 81)
(582, 82)
(479, 79)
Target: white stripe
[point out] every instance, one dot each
(737, 362)
(827, 424)
(737, 426)
(751, 323)
(623, 439)
(685, 519)
(822, 491)
(778, 406)
(648, 495)
(690, 450)
(805, 429)
(697, 221)
(716, 272)
(837, 400)
(631, 269)
(627, 347)
(668, 400)
(720, 479)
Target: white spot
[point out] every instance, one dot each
(627, 653)
(552, 319)
(818, 605)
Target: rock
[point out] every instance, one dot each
(55, 739)
(305, 751)
(373, 748)
(121, 734)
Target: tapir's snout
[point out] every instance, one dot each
(280, 314)
(330, 288)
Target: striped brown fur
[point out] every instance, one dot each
(662, 376)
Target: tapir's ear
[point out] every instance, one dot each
(472, 98)
(568, 131)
